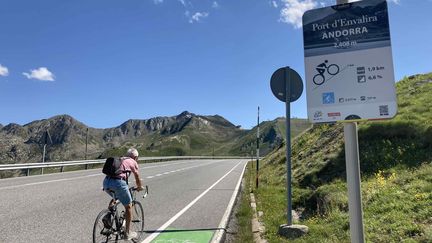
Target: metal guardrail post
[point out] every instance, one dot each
(28, 172)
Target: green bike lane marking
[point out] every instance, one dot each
(171, 235)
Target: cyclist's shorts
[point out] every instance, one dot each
(121, 190)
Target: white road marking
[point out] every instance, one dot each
(181, 212)
(187, 168)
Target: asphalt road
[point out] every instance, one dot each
(186, 203)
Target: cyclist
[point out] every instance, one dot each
(119, 185)
(322, 67)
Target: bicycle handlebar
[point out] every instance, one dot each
(146, 191)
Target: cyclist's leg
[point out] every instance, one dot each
(128, 215)
(124, 196)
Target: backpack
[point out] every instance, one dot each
(111, 167)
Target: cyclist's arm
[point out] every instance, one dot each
(137, 179)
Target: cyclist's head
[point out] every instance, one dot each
(326, 61)
(132, 153)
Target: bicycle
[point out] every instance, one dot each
(109, 224)
(332, 69)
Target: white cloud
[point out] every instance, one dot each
(293, 11)
(41, 73)
(274, 4)
(215, 4)
(158, 1)
(197, 17)
(4, 71)
(182, 2)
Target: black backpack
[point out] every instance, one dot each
(111, 167)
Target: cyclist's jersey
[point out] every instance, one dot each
(128, 164)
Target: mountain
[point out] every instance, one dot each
(272, 135)
(396, 171)
(184, 134)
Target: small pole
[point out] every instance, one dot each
(86, 166)
(47, 139)
(257, 151)
(288, 142)
(353, 181)
(43, 156)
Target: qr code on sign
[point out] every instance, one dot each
(383, 110)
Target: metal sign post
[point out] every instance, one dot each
(353, 180)
(288, 142)
(286, 84)
(257, 151)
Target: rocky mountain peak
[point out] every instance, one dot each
(15, 129)
(186, 114)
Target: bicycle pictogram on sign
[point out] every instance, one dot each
(331, 69)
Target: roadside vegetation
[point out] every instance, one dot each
(244, 213)
(396, 172)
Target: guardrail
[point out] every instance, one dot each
(62, 164)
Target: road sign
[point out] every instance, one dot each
(280, 78)
(286, 84)
(348, 62)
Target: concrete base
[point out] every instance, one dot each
(293, 231)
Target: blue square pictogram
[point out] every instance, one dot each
(328, 98)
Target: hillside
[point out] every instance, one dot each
(396, 170)
(272, 135)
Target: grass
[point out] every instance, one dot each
(244, 213)
(396, 206)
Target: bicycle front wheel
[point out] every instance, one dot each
(102, 229)
(137, 222)
(333, 69)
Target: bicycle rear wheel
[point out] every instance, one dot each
(137, 222)
(102, 231)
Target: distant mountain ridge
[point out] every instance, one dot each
(184, 134)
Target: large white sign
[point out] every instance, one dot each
(348, 62)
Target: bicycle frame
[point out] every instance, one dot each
(116, 227)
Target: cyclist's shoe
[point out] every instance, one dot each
(106, 232)
(106, 220)
(123, 226)
(132, 235)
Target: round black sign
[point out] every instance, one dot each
(283, 76)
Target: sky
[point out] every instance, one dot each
(106, 61)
